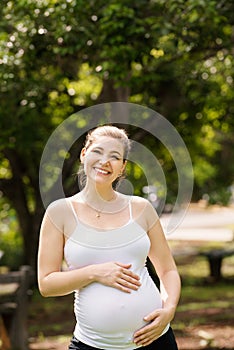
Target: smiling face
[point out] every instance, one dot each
(103, 160)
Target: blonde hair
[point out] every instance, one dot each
(110, 131)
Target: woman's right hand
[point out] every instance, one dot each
(117, 275)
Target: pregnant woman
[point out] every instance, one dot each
(105, 238)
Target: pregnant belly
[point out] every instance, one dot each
(110, 311)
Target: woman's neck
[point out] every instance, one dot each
(108, 201)
(95, 194)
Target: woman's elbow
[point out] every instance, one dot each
(43, 290)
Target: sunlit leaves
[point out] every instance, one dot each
(174, 56)
(5, 170)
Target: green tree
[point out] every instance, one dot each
(59, 56)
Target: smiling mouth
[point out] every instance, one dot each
(102, 171)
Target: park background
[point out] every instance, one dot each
(60, 57)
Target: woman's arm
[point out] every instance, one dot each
(54, 282)
(51, 280)
(161, 257)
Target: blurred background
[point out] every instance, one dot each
(175, 57)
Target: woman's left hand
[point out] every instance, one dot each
(158, 321)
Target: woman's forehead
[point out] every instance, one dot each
(107, 142)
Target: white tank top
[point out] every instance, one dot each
(107, 317)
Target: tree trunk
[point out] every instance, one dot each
(111, 93)
(29, 221)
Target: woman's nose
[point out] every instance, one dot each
(104, 160)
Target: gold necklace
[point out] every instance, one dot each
(99, 212)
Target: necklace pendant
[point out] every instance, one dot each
(98, 215)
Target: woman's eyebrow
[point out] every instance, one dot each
(111, 152)
(116, 152)
(102, 149)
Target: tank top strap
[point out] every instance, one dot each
(130, 209)
(73, 209)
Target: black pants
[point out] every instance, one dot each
(165, 342)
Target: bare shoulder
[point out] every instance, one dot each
(56, 206)
(144, 210)
(141, 203)
(57, 212)
(56, 203)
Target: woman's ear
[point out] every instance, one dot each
(82, 154)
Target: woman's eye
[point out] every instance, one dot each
(96, 151)
(115, 157)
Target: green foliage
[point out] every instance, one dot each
(221, 196)
(57, 57)
(10, 239)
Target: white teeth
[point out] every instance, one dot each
(102, 171)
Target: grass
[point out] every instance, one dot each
(205, 304)
(50, 316)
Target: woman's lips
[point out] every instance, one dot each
(102, 171)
